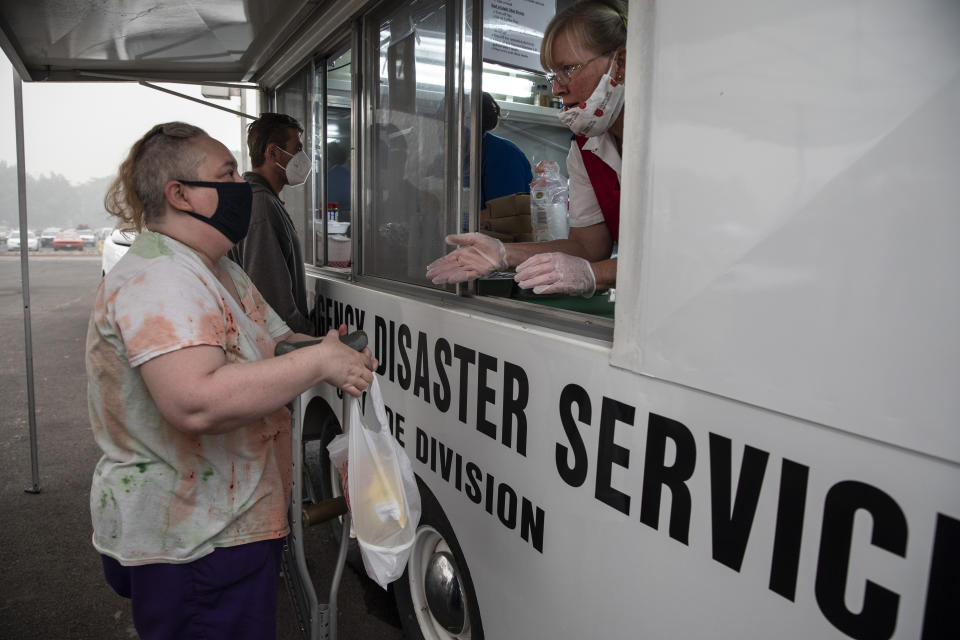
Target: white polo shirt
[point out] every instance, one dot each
(584, 207)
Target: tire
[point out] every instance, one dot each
(435, 537)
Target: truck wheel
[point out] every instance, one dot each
(435, 595)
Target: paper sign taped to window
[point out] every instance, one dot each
(513, 31)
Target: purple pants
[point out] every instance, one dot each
(228, 594)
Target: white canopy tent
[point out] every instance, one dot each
(218, 42)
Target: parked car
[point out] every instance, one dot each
(114, 246)
(47, 236)
(68, 240)
(13, 241)
(88, 236)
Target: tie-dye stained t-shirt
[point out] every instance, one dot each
(159, 494)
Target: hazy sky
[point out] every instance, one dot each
(84, 130)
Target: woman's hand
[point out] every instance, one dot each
(343, 367)
(557, 273)
(477, 255)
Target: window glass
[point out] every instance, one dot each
(404, 225)
(528, 113)
(293, 99)
(526, 133)
(339, 87)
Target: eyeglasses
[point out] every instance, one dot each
(565, 74)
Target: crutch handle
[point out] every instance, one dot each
(356, 341)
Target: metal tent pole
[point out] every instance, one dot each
(25, 282)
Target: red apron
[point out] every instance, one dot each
(606, 186)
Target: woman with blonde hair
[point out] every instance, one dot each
(585, 47)
(187, 401)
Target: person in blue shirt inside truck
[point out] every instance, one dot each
(505, 169)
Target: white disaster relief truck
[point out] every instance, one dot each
(766, 445)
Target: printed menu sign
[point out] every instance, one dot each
(513, 30)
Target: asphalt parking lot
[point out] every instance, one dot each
(52, 586)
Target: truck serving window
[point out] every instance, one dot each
(293, 99)
(332, 143)
(388, 111)
(404, 169)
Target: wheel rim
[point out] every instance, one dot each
(436, 588)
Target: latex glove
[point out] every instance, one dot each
(557, 273)
(476, 256)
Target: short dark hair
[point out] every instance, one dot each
(489, 113)
(269, 128)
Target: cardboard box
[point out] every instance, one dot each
(512, 225)
(500, 207)
(506, 206)
(503, 237)
(483, 220)
(522, 203)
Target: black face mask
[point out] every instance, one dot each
(234, 204)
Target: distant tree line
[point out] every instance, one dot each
(52, 201)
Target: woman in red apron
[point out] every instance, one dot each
(585, 46)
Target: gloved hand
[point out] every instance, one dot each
(476, 256)
(557, 273)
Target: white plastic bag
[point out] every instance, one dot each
(337, 448)
(384, 498)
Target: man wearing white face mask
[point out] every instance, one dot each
(585, 46)
(271, 254)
